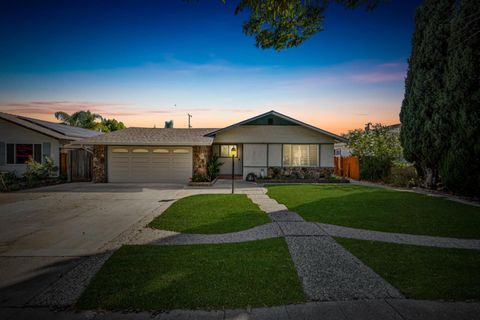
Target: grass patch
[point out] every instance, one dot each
(422, 272)
(380, 209)
(211, 213)
(136, 277)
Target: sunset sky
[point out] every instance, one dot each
(145, 62)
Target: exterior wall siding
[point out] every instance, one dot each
(13, 133)
(226, 168)
(272, 134)
(262, 148)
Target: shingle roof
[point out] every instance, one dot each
(153, 136)
(56, 130)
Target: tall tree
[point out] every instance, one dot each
(82, 119)
(460, 167)
(281, 24)
(109, 125)
(423, 121)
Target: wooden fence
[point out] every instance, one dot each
(81, 165)
(347, 167)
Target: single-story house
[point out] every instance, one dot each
(22, 138)
(270, 141)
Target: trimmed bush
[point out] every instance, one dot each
(375, 168)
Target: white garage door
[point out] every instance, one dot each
(149, 164)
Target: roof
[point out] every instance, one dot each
(153, 136)
(281, 116)
(52, 129)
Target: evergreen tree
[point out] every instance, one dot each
(460, 167)
(423, 123)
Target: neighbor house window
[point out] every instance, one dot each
(226, 150)
(300, 155)
(20, 153)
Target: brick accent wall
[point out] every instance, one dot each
(299, 172)
(99, 164)
(201, 154)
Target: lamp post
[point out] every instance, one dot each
(233, 152)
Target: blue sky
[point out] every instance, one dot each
(144, 62)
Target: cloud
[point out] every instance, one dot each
(50, 107)
(379, 76)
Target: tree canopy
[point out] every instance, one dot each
(88, 120)
(440, 112)
(379, 141)
(281, 24)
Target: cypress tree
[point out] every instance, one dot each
(460, 166)
(423, 123)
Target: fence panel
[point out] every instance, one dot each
(81, 165)
(347, 167)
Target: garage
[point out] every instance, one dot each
(149, 164)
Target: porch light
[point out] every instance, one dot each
(233, 152)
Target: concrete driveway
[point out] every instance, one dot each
(45, 232)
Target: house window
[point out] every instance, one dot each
(300, 155)
(226, 150)
(20, 153)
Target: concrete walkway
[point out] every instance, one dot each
(397, 309)
(327, 271)
(400, 238)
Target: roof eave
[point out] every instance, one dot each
(273, 112)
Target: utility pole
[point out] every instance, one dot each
(189, 117)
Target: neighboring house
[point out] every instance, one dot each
(270, 140)
(342, 150)
(22, 138)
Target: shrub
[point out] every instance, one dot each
(200, 178)
(213, 167)
(9, 181)
(375, 168)
(403, 176)
(276, 172)
(39, 171)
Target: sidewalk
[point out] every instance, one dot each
(390, 309)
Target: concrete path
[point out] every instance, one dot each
(327, 271)
(163, 237)
(398, 309)
(401, 238)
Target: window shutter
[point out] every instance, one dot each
(46, 149)
(2, 153)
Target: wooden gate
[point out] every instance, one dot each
(81, 163)
(347, 167)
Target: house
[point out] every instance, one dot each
(22, 138)
(270, 140)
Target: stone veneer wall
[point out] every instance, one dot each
(299, 172)
(99, 164)
(201, 154)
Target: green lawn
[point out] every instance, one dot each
(211, 213)
(257, 273)
(380, 209)
(422, 272)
